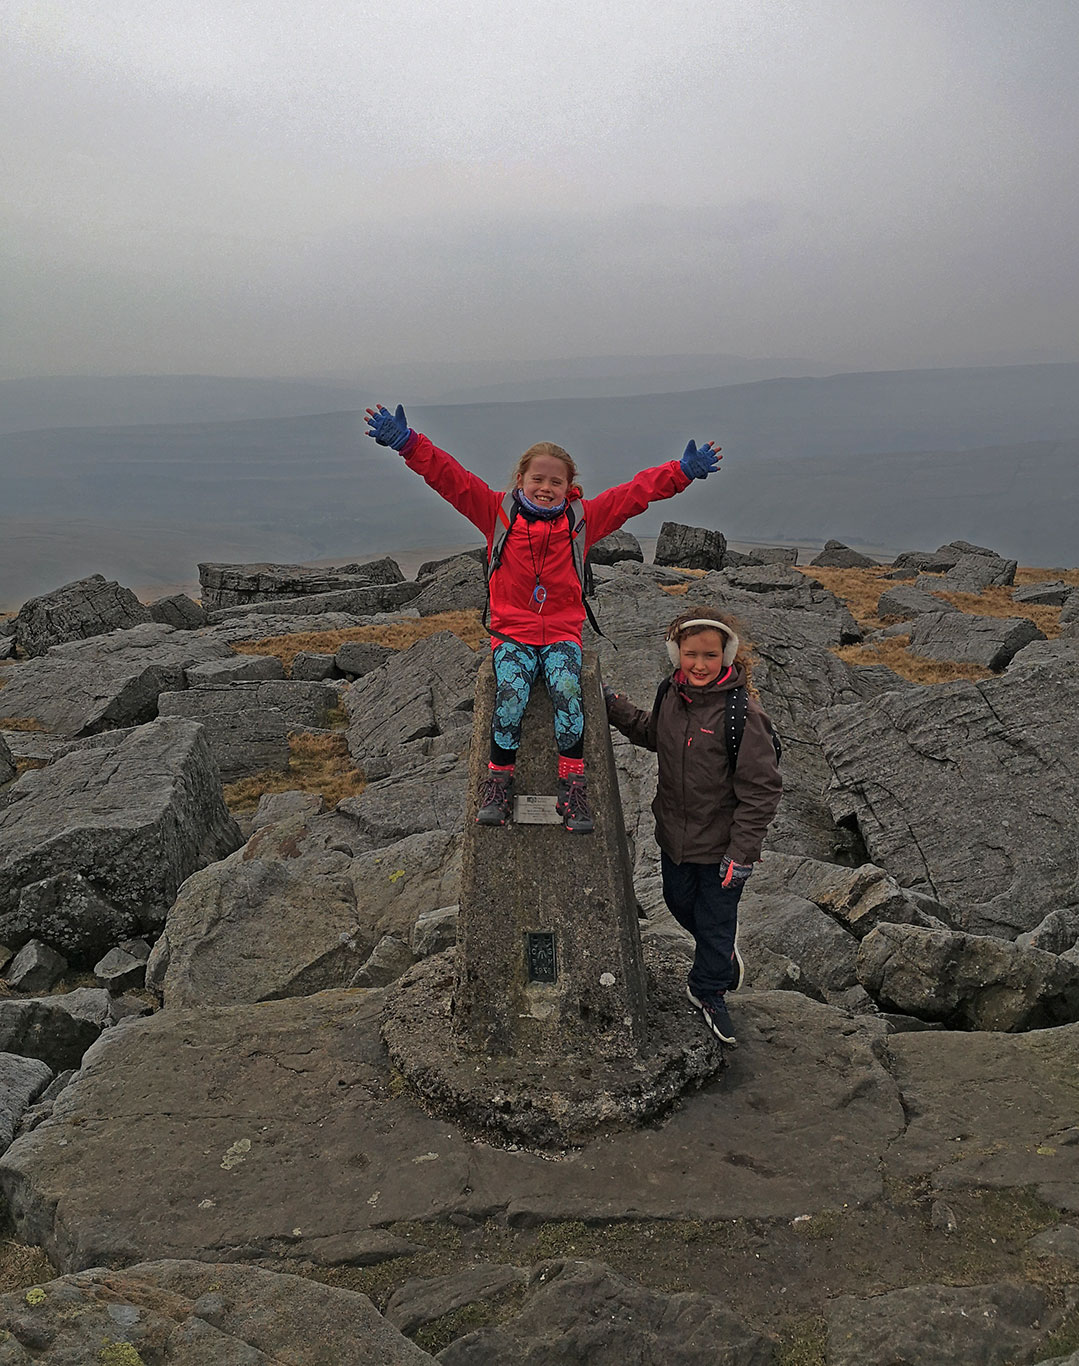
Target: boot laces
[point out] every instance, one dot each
(577, 799)
(494, 792)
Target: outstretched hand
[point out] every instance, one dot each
(388, 429)
(700, 463)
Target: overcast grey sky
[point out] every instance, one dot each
(275, 187)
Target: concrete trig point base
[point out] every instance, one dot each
(546, 1023)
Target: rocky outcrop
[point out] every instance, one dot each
(418, 694)
(556, 1325)
(967, 981)
(56, 1029)
(929, 1324)
(1051, 593)
(461, 585)
(947, 786)
(134, 813)
(990, 642)
(247, 724)
(232, 585)
(22, 1080)
(616, 548)
(187, 1313)
(67, 912)
(107, 682)
(690, 547)
(87, 607)
(178, 610)
(836, 555)
(386, 597)
(299, 909)
(7, 762)
(906, 601)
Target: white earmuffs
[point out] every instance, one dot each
(730, 649)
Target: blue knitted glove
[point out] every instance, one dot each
(699, 464)
(388, 429)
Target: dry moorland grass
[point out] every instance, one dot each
(22, 1266)
(317, 763)
(860, 589)
(397, 635)
(23, 723)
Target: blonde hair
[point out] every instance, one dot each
(744, 656)
(548, 448)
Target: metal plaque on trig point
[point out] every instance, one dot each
(528, 810)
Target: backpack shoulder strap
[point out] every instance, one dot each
(504, 519)
(734, 725)
(734, 722)
(661, 693)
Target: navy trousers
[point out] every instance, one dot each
(700, 903)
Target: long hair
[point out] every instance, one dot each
(744, 655)
(548, 448)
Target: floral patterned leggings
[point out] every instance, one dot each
(516, 669)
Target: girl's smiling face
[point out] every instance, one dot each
(546, 481)
(700, 657)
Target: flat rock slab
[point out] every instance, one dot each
(264, 1130)
(181, 1313)
(990, 1110)
(134, 813)
(953, 786)
(990, 642)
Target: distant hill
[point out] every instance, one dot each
(805, 459)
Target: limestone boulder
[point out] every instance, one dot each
(615, 548)
(462, 584)
(69, 914)
(247, 724)
(356, 602)
(427, 795)
(295, 912)
(7, 762)
(973, 572)
(690, 547)
(925, 1325)
(36, 967)
(56, 1029)
(967, 981)
(926, 561)
(178, 610)
(234, 669)
(990, 642)
(389, 959)
(859, 899)
(358, 657)
(432, 568)
(557, 1325)
(791, 926)
(87, 607)
(1057, 933)
(958, 549)
(961, 791)
(231, 585)
(1052, 593)
(836, 555)
(312, 666)
(905, 602)
(22, 1080)
(418, 694)
(134, 812)
(762, 554)
(107, 682)
(195, 1313)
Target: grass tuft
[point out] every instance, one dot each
(22, 1266)
(23, 723)
(397, 635)
(894, 653)
(317, 763)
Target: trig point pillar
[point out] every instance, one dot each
(548, 949)
(546, 1024)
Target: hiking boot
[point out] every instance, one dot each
(714, 1013)
(496, 799)
(572, 806)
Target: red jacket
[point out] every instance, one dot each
(538, 549)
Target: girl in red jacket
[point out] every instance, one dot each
(537, 606)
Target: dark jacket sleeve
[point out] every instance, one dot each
(758, 787)
(638, 726)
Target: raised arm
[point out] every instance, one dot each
(438, 469)
(613, 507)
(636, 725)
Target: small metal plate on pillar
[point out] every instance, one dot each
(529, 810)
(540, 956)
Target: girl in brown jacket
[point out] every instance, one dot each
(710, 820)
